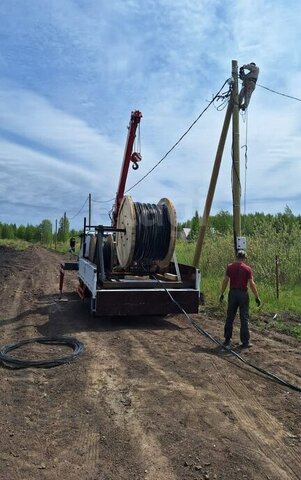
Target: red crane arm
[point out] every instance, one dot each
(128, 156)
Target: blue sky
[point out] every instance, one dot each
(73, 70)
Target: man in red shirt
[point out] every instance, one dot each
(240, 276)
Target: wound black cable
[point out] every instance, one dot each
(153, 230)
(202, 331)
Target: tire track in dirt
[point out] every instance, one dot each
(136, 400)
(111, 384)
(30, 306)
(263, 429)
(157, 458)
(22, 314)
(266, 432)
(10, 380)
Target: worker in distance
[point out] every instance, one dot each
(240, 276)
(72, 244)
(248, 84)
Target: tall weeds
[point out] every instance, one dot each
(262, 248)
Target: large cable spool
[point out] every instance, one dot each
(150, 233)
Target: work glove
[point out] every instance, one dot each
(221, 298)
(258, 301)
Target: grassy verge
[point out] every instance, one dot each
(16, 244)
(282, 314)
(23, 244)
(63, 248)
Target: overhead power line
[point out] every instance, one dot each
(71, 218)
(103, 201)
(279, 93)
(216, 96)
(180, 139)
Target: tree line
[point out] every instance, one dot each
(269, 237)
(222, 223)
(43, 233)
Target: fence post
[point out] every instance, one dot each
(277, 275)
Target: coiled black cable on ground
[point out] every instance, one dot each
(219, 343)
(13, 362)
(153, 231)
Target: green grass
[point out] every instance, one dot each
(61, 248)
(16, 244)
(185, 251)
(23, 244)
(288, 328)
(281, 315)
(289, 298)
(287, 307)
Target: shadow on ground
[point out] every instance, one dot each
(71, 316)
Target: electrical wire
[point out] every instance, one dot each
(224, 97)
(180, 139)
(13, 362)
(217, 95)
(202, 331)
(71, 218)
(279, 93)
(104, 201)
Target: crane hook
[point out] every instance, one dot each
(135, 158)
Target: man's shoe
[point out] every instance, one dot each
(246, 345)
(227, 343)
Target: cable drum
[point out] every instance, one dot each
(150, 232)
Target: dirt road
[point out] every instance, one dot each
(149, 399)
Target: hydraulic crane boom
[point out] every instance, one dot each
(129, 156)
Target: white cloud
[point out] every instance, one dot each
(72, 73)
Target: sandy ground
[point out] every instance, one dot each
(149, 399)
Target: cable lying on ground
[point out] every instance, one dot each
(13, 362)
(217, 342)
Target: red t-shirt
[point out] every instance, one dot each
(239, 274)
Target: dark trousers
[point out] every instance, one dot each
(238, 299)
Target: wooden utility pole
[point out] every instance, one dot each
(212, 185)
(277, 276)
(90, 210)
(55, 241)
(64, 227)
(236, 156)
